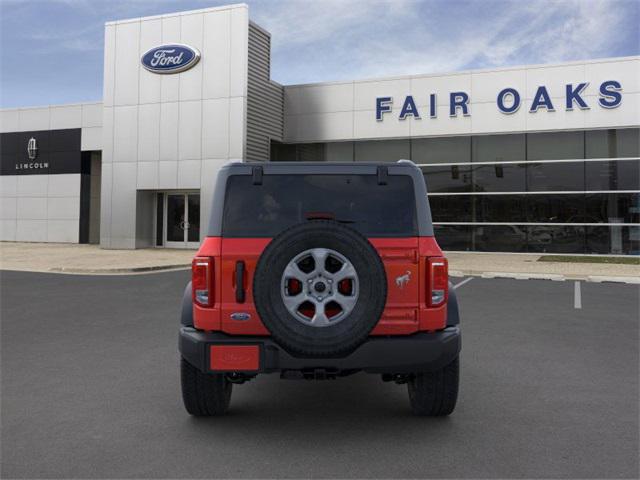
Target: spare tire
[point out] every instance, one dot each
(320, 287)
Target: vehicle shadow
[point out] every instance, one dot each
(319, 408)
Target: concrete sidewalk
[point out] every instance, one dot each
(71, 258)
(527, 266)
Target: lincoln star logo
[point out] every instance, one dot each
(32, 154)
(32, 148)
(172, 58)
(402, 280)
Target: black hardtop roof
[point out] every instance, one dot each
(296, 164)
(398, 168)
(257, 169)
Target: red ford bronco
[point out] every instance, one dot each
(315, 271)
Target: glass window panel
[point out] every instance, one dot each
(175, 218)
(628, 142)
(193, 232)
(555, 208)
(613, 143)
(310, 152)
(284, 200)
(613, 175)
(499, 208)
(382, 150)
(500, 238)
(281, 152)
(555, 145)
(556, 239)
(441, 150)
(448, 178)
(451, 208)
(548, 177)
(613, 240)
(453, 237)
(339, 152)
(159, 218)
(499, 148)
(613, 208)
(499, 178)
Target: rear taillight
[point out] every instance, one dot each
(437, 281)
(202, 281)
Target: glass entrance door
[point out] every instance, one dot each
(182, 220)
(193, 217)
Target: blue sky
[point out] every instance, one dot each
(51, 51)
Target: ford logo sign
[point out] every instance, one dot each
(173, 58)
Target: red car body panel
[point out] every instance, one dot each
(404, 259)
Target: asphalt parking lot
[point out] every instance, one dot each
(90, 390)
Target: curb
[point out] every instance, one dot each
(599, 279)
(154, 268)
(546, 276)
(525, 276)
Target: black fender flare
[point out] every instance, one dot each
(453, 313)
(186, 313)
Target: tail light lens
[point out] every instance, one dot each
(438, 281)
(202, 281)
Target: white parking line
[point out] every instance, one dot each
(459, 284)
(577, 295)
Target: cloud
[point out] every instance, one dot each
(321, 40)
(557, 31)
(357, 39)
(294, 22)
(52, 40)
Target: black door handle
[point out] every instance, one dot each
(240, 281)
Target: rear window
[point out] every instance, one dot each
(282, 201)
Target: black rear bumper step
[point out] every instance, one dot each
(420, 352)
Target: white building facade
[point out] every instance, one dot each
(538, 158)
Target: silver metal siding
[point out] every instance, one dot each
(265, 99)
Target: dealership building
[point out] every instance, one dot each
(541, 158)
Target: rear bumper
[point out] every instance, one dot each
(419, 352)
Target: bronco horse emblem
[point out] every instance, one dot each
(402, 280)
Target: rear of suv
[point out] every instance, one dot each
(316, 271)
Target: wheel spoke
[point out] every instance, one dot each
(319, 257)
(320, 318)
(346, 302)
(293, 303)
(293, 271)
(346, 271)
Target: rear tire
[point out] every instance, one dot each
(434, 394)
(204, 394)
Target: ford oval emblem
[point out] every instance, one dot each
(240, 316)
(173, 58)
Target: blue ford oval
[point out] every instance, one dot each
(173, 58)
